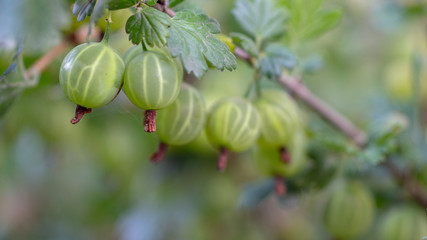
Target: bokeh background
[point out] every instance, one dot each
(93, 180)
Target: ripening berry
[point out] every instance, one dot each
(269, 159)
(91, 75)
(182, 121)
(349, 211)
(152, 81)
(232, 124)
(403, 223)
(280, 118)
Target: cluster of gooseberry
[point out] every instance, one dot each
(92, 74)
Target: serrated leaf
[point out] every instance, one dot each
(120, 4)
(191, 36)
(276, 58)
(83, 8)
(245, 43)
(260, 18)
(151, 2)
(150, 25)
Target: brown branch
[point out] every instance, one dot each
(335, 118)
(46, 59)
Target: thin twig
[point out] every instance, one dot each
(335, 118)
(46, 59)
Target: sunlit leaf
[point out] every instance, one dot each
(260, 18)
(150, 25)
(191, 36)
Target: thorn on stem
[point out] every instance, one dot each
(279, 186)
(80, 112)
(150, 121)
(285, 155)
(160, 154)
(222, 159)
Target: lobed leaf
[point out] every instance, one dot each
(276, 58)
(149, 25)
(245, 43)
(191, 36)
(260, 18)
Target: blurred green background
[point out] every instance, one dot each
(93, 180)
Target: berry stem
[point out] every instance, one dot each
(80, 112)
(222, 159)
(279, 186)
(107, 29)
(160, 154)
(150, 121)
(285, 155)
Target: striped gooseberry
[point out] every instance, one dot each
(232, 124)
(349, 211)
(152, 81)
(134, 51)
(180, 122)
(280, 120)
(91, 76)
(403, 222)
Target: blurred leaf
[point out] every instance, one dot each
(11, 82)
(191, 36)
(173, 3)
(260, 18)
(308, 20)
(325, 21)
(312, 64)
(120, 4)
(254, 193)
(36, 23)
(276, 58)
(83, 8)
(151, 2)
(245, 43)
(99, 10)
(149, 25)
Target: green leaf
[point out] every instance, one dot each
(83, 8)
(260, 18)
(191, 36)
(245, 43)
(173, 3)
(98, 11)
(11, 80)
(326, 21)
(120, 4)
(276, 58)
(150, 25)
(308, 20)
(151, 2)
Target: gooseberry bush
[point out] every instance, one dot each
(359, 183)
